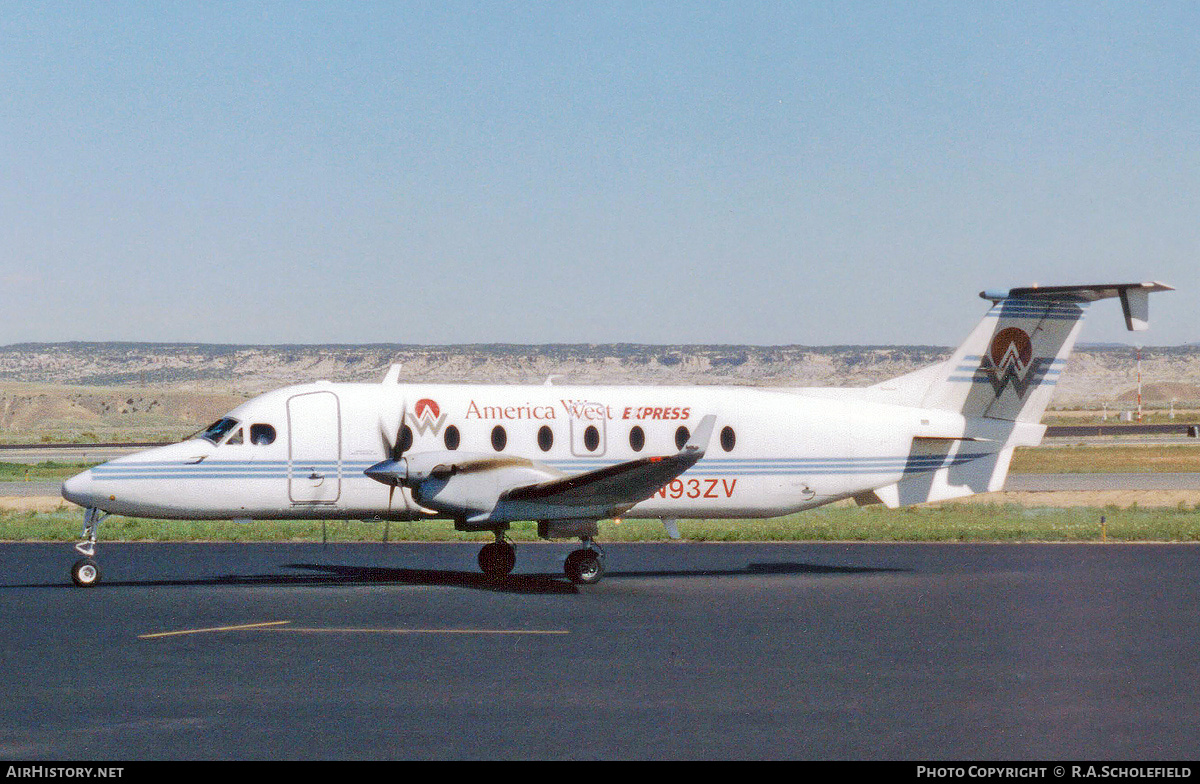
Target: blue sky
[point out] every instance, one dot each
(764, 173)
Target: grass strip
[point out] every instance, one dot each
(47, 469)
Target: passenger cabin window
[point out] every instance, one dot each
(499, 438)
(591, 438)
(217, 430)
(545, 438)
(681, 436)
(728, 438)
(637, 438)
(451, 438)
(261, 435)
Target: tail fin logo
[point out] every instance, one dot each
(1010, 360)
(426, 417)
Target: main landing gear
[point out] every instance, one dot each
(584, 566)
(497, 558)
(85, 572)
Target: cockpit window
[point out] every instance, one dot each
(236, 438)
(262, 434)
(217, 430)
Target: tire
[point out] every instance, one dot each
(497, 559)
(584, 567)
(85, 573)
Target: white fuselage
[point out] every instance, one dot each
(773, 452)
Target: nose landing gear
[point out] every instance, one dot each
(85, 572)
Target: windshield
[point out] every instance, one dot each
(217, 430)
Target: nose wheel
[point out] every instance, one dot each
(85, 572)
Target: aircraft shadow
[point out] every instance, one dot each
(778, 568)
(335, 574)
(352, 575)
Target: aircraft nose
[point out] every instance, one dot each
(79, 489)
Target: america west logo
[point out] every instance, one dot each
(1010, 361)
(426, 417)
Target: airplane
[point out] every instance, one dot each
(486, 456)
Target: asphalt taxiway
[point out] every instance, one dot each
(918, 651)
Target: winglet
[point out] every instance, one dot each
(700, 438)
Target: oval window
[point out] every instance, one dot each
(591, 438)
(637, 438)
(545, 438)
(681, 436)
(406, 438)
(262, 435)
(499, 438)
(728, 438)
(451, 438)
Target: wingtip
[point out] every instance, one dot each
(702, 435)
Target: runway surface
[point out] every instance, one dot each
(39, 488)
(63, 453)
(920, 651)
(1107, 481)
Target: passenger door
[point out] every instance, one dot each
(314, 448)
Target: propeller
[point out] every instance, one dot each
(397, 438)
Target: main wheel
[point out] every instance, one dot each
(497, 559)
(584, 567)
(85, 573)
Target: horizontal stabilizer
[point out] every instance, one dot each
(1135, 297)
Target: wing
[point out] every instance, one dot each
(619, 486)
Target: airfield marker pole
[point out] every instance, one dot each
(1103, 529)
(1139, 372)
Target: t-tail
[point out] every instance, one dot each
(1000, 381)
(1009, 364)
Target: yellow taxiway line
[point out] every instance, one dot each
(211, 629)
(279, 626)
(302, 630)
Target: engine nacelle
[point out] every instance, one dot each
(467, 486)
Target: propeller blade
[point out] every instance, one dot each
(393, 433)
